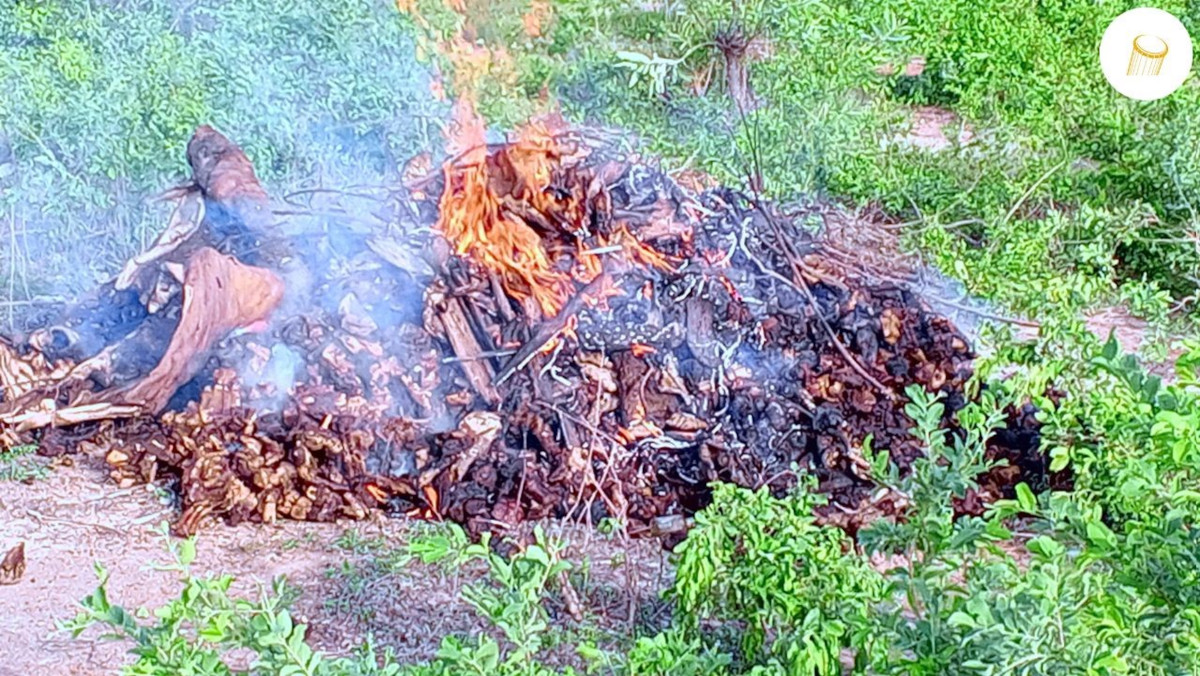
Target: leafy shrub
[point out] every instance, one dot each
(511, 598)
(204, 629)
(1078, 597)
(1131, 441)
(763, 566)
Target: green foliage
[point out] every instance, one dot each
(1056, 266)
(201, 631)
(1083, 598)
(650, 71)
(511, 598)
(101, 97)
(1132, 442)
(946, 471)
(670, 653)
(21, 463)
(449, 546)
(763, 564)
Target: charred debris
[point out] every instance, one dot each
(547, 327)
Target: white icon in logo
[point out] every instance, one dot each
(1146, 53)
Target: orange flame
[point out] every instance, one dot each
(519, 212)
(567, 332)
(431, 512)
(474, 218)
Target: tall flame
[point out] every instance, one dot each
(473, 216)
(500, 208)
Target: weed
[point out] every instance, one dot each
(21, 463)
(353, 542)
(295, 543)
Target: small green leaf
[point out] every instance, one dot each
(1110, 349)
(187, 551)
(1026, 498)
(1100, 535)
(1060, 457)
(961, 620)
(538, 554)
(1045, 547)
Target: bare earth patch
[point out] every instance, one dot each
(936, 129)
(76, 517)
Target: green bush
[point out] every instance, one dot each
(763, 566)
(1131, 441)
(199, 632)
(1085, 599)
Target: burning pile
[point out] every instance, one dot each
(544, 328)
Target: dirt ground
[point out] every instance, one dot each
(76, 517)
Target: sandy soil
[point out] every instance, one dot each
(936, 129)
(76, 517)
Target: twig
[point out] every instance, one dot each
(570, 598)
(338, 191)
(582, 423)
(927, 224)
(524, 469)
(989, 315)
(485, 354)
(602, 250)
(547, 331)
(1044, 177)
(42, 518)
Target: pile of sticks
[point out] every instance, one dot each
(548, 327)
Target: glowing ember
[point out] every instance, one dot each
(431, 512)
(567, 332)
(733, 292)
(641, 349)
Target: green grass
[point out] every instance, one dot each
(21, 463)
